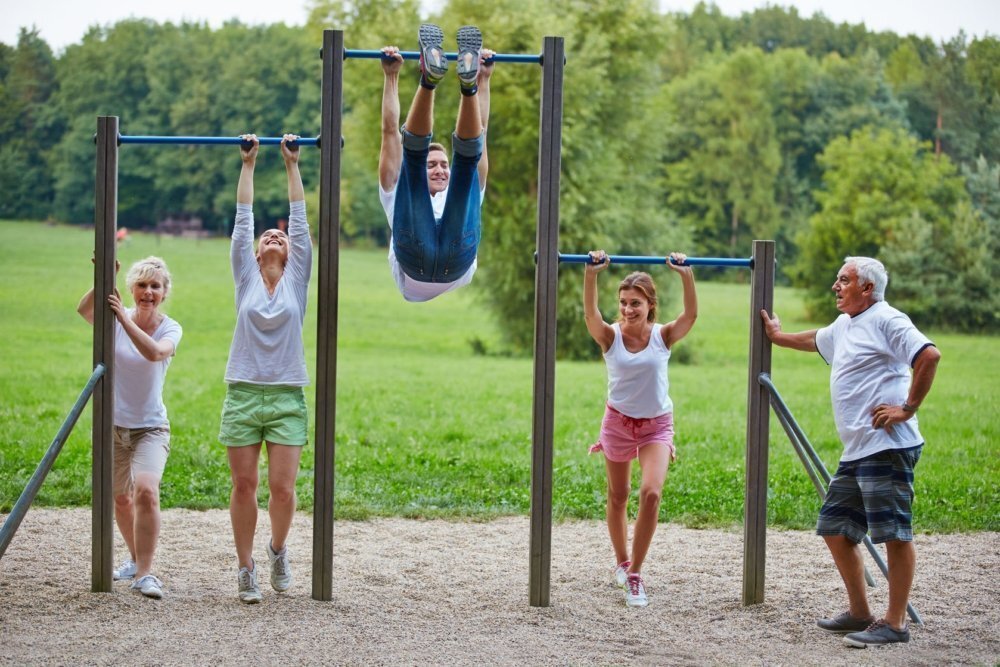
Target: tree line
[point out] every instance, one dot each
(692, 131)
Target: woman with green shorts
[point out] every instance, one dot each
(266, 372)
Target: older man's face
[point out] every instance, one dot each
(852, 296)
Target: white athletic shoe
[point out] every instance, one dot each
(621, 573)
(149, 586)
(124, 571)
(281, 569)
(247, 581)
(635, 592)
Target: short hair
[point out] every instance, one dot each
(435, 146)
(145, 269)
(870, 271)
(642, 281)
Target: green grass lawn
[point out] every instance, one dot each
(425, 427)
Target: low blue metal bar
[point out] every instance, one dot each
(415, 55)
(31, 489)
(264, 141)
(795, 432)
(638, 259)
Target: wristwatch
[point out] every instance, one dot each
(908, 408)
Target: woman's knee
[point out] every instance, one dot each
(282, 492)
(245, 485)
(123, 501)
(650, 496)
(618, 496)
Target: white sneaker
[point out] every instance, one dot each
(149, 586)
(621, 573)
(247, 581)
(635, 592)
(124, 571)
(281, 569)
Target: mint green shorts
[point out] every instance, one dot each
(254, 413)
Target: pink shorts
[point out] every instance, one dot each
(622, 436)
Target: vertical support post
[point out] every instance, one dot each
(546, 283)
(326, 333)
(758, 414)
(105, 223)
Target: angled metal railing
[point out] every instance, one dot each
(34, 484)
(818, 473)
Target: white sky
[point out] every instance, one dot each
(63, 22)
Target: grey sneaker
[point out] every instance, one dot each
(878, 633)
(126, 570)
(281, 569)
(149, 586)
(621, 573)
(247, 581)
(635, 592)
(433, 61)
(844, 622)
(470, 41)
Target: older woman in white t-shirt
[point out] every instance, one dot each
(145, 342)
(638, 420)
(266, 372)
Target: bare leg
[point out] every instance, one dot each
(147, 522)
(902, 564)
(469, 124)
(125, 518)
(847, 556)
(420, 118)
(654, 460)
(282, 469)
(619, 486)
(243, 500)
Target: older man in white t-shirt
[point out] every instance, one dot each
(871, 349)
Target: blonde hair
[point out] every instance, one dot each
(642, 281)
(145, 269)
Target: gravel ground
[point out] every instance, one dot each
(455, 593)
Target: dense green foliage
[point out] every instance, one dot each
(427, 427)
(696, 131)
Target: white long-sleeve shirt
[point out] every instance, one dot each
(267, 343)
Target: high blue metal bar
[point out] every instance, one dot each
(31, 489)
(792, 428)
(415, 55)
(264, 141)
(638, 259)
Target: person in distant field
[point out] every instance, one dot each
(145, 342)
(871, 349)
(433, 207)
(265, 401)
(638, 420)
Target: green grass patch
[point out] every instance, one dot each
(428, 428)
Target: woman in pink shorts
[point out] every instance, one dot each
(638, 421)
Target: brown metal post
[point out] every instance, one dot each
(758, 415)
(546, 283)
(105, 223)
(326, 332)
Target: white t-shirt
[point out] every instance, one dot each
(637, 381)
(139, 381)
(267, 343)
(415, 290)
(870, 356)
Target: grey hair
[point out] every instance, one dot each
(145, 269)
(870, 271)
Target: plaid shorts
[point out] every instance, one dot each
(872, 494)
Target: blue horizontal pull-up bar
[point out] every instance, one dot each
(638, 259)
(264, 141)
(415, 55)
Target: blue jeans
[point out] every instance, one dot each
(437, 250)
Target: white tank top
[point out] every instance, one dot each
(637, 382)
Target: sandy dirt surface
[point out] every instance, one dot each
(456, 593)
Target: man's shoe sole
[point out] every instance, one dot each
(431, 38)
